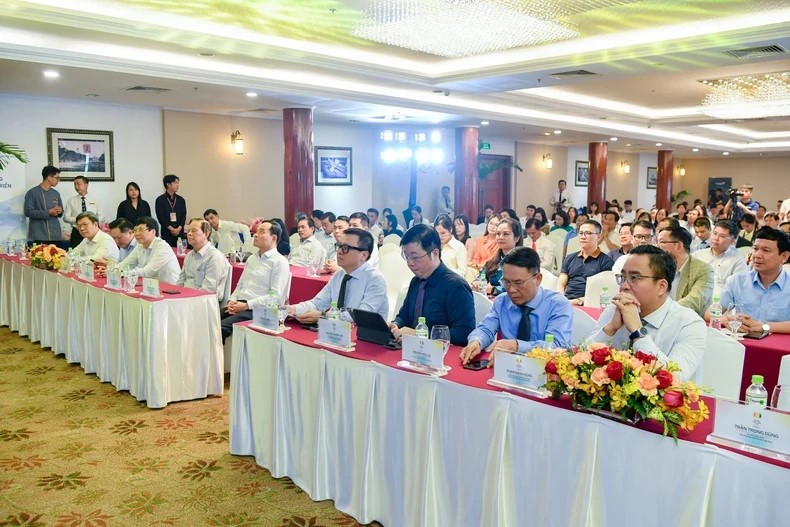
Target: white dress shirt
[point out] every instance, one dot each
(366, 290)
(74, 208)
(545, 249)
(784, 210)
(614, 237)
(725, 265)
(226, 236)
(262, 273)
(101, 246)
(558, 196)
(444, 206)
(375, 230)
(674, 333)
(206, 269)
(328, 241)
(454, 256)
(157, 261)
(124, 253)
(374, 256)
(627, 217)
(426, 222)
(308, 250)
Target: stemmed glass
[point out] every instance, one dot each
(734, 319)
(442, 334)
(282, 314)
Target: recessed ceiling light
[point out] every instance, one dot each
(659, 144)
(725, 153)
(695, 149)
(546, 133)
(612, 139)
(628, 144)
(51, 74)
(206, 54)
(251, 94)
(557, 132)
(484, 123)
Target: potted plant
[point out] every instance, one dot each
(8, 151)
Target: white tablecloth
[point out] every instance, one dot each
(411, 450)
(163, 351)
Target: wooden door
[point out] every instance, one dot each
(494, 189)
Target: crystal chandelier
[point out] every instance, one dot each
(748, 96)
(461, 28)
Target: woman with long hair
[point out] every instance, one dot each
(416, 217)
(389, 225)
(485, 245)
(453, 251)
(508, 236)
(134, 206)
(461, 233)
(572, 215)
(593, 213)
(543, 218)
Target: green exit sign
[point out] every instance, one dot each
(485, 146)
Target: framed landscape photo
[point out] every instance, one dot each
(333, 165)
(86, 153)
(582, 173)
(652, 177)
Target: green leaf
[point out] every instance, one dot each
(7, 151)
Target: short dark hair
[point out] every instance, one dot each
(275, 229)
(384, 211)
(703, 221)
(280, 223)
(87, 214)
(393, 221)
(445, 221)
(626, 224)
(360, 216)
(122, 224)
(445, 187)
(365, 239)
(489, 207)
(749, 218)
(662, 265)
(49, 170)
(644, 224)
(342, 218)
(374, 211)
(781, 238)
(309, 221)
(510, 212)
(562, 181)
(595, 224)
(628, 202)
(729, 226)
(524, 257)
(150, 223)
(210, 211)
(531, 206)
(317, 213)
(672, 222)
(170, 178)
(562, 214)
(328, 216)
(612, 213)
(84, 178)
(425, 235)
(204, 225)
(532, 222)
(679, 234)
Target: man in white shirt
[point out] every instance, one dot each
(373, 224)
(784, 209)
(309, 248)
(123, 233)
(360, 220)
(152, 257)
(643, 316)
(562, 198)
(722, 255)
(325, 234)
(628, 215)
(204, 266)
(540, 244)
(355, 285)
(78, 204)
(444, 203)
(264, 271)
(702, 228)
(641, 234)
(610, 238)
(95, 244)
(340, 225)
(225, 234)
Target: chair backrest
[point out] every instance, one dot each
(389, 248)
(583, 326)
(399, 300)
(574, 246)
(391, 239)
(595, 284)
(557, 260)
(745, 251)
(549, 280)
(475, 231)
(722, 365)
(558, 237)
(397, 275)
(784, 372)
(482, 306)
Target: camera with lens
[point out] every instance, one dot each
(733, 193)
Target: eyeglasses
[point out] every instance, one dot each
(632, 279)
(140, 230)
(584, 234)
(343, 248)
(412, 258)
(642, 237)
(518, 284)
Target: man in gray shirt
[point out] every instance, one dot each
(43, 207)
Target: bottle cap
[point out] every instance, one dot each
(757, 379)
(605, 289)
(334, 304)
(421, 320)
(549, 338)
(715, 300)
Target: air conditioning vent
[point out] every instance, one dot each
(149, 89)
(574, 73)
(758, 52)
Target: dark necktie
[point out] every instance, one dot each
(447, 203)
(341, 296)
(560, 200)
(524, 326)
(418, 302)
(84, 208)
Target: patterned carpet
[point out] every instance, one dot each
(74, 452)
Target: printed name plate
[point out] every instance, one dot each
(87, 272)
(761, 431)
(520, 373)
(335, 334)
(265, 319)
(423, 355)
(113, 279)
(151, 287)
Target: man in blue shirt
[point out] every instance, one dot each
(765, 291)
(744, 205)
(526, 314)
(440, 295)
(579, 266)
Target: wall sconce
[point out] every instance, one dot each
(681, 170)
(237, 142)
(547, 161)
(626, 166)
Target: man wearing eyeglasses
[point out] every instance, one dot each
(43, 207)
(437, 293)
(356, 285)
(644, 317)
(152, 257)
(526, 314)
(693, 284)
(360, 220)
(641, 234)
(579, 266)
(722, 256)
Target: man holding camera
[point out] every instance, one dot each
(745, 205)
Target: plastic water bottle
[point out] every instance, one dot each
(334, 312)
(550, 345)
(756, 394)
(605, 297)
(715, 314)
(422, 328)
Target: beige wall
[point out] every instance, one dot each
(536, 183)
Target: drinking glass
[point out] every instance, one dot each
(734, 319)
(131, 280)
(282, 314)
(780, 399)
(442, 334)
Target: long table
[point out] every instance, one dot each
(408, 449)
(160, 350)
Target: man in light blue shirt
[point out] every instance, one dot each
(204, 267)
(122, 231)
(765, 291)
(526, 314)
(152, 257)
(356, 285)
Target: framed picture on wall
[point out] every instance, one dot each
(333, 165)
(86, 153)
(582, 173)
(652, 177)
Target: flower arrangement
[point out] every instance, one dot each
(632, 385)
(47, 257)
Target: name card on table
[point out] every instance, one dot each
(761, 431)
(423, 355)
(151, 287)
(265, 318)
(86, 272)
(113, 279)
(517, 372)
(335, 334)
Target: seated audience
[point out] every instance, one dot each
(284, 245)
(152, 257)
(485, 245)
(693, 284)
(579, 266)
(541, 216)
(340, 225)
(122, 231)
(526, 314)
(667, 223)
(748, 225)
(373, 224)
(642, 315)
(609, 238)
(453, 252)
(593, 213)
(226, 236)
(435, 292)
(326, 234)
(461, 233)
(540, 243)
(360, 220)
(264, 271)
(702, 228)
(508, 236)
(561, 222)
(625, 240)
(722, 255)
(771, 220)
(309, 249)
(389, 225)
(488, 211)
(204, 266)
(416, 217)
(96, 244)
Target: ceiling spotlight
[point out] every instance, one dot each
(251, 94)
(557, 132)
(612, 139)
(484, 123)
(546, 133)
(725, 153)
(628, 144)
(51, 74)
(695, 149)
(659, 144)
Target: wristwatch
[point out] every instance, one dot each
(766, 329)
(638, 334)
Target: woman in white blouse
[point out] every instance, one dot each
(453, 251)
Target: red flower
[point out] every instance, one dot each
(599, 356)
(664, 379)
(614, 370)
(53, 250)
(646, 358)
(673, 398)
(551, 367)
